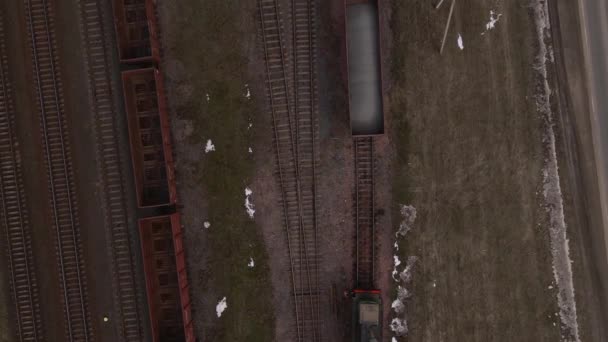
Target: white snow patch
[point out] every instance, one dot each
(251, 262)
(393, 339)
(208, 97)
(250, 150)
(398, 306)
(250, 125)
(399, 323)
(247, 92)
(209, 147)
(552, 193)
(406, 274)
(248, 204)
(399, 326)
(396, 263)
(460, 43)
(494, 17)
(220, 307)
(206, 224)
(408, 213)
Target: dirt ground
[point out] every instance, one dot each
(192, 74)
(469, 157)
(207, 87)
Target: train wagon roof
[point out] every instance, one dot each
(364, 70)
(369, 313)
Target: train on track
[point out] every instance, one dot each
(366, 111)
(161, 239)
(367, 315)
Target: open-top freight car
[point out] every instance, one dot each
(149, 135)
(166, 281)
(363, 59)
(136, 31)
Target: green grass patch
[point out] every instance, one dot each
(211, 48)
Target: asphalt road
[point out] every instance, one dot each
(594, 30)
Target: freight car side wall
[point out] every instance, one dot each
(182, 277)
(163, 111)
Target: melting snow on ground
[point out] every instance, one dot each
(396, 262)
(247, 92)
(493, 20)
(250, 150)
(460, 43)
(248, 204)
(399, 326)
(402, 274)
(206, 224)
(552, 193)
(408, 214)
(209, 146)
(220, 307)
(251, 262)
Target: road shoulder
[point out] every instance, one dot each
(579, 172)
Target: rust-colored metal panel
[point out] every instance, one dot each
(149, 136)
(164, 290)
(136, 30)
(180, 262)
(166, 129)
(153, 29)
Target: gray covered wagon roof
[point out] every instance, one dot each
(364, 80)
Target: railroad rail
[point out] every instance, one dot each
(364, 212)
(62, 197)
(294, 138)
(96, 45)
(14, 215)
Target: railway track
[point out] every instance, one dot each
(62, 198)
(101, 98)
(14, 216)
(364, 211)
(294, 122)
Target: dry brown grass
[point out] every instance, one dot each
(469, 158)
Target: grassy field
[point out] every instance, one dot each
(210, 39)
(469, 158)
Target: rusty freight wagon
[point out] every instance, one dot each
(149, 135)
(136, 30)
(166, 279)
(363, 59)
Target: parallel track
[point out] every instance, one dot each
(295, 136)
(48, 88)
(109, 160)
(364, 211)
(14, 215)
